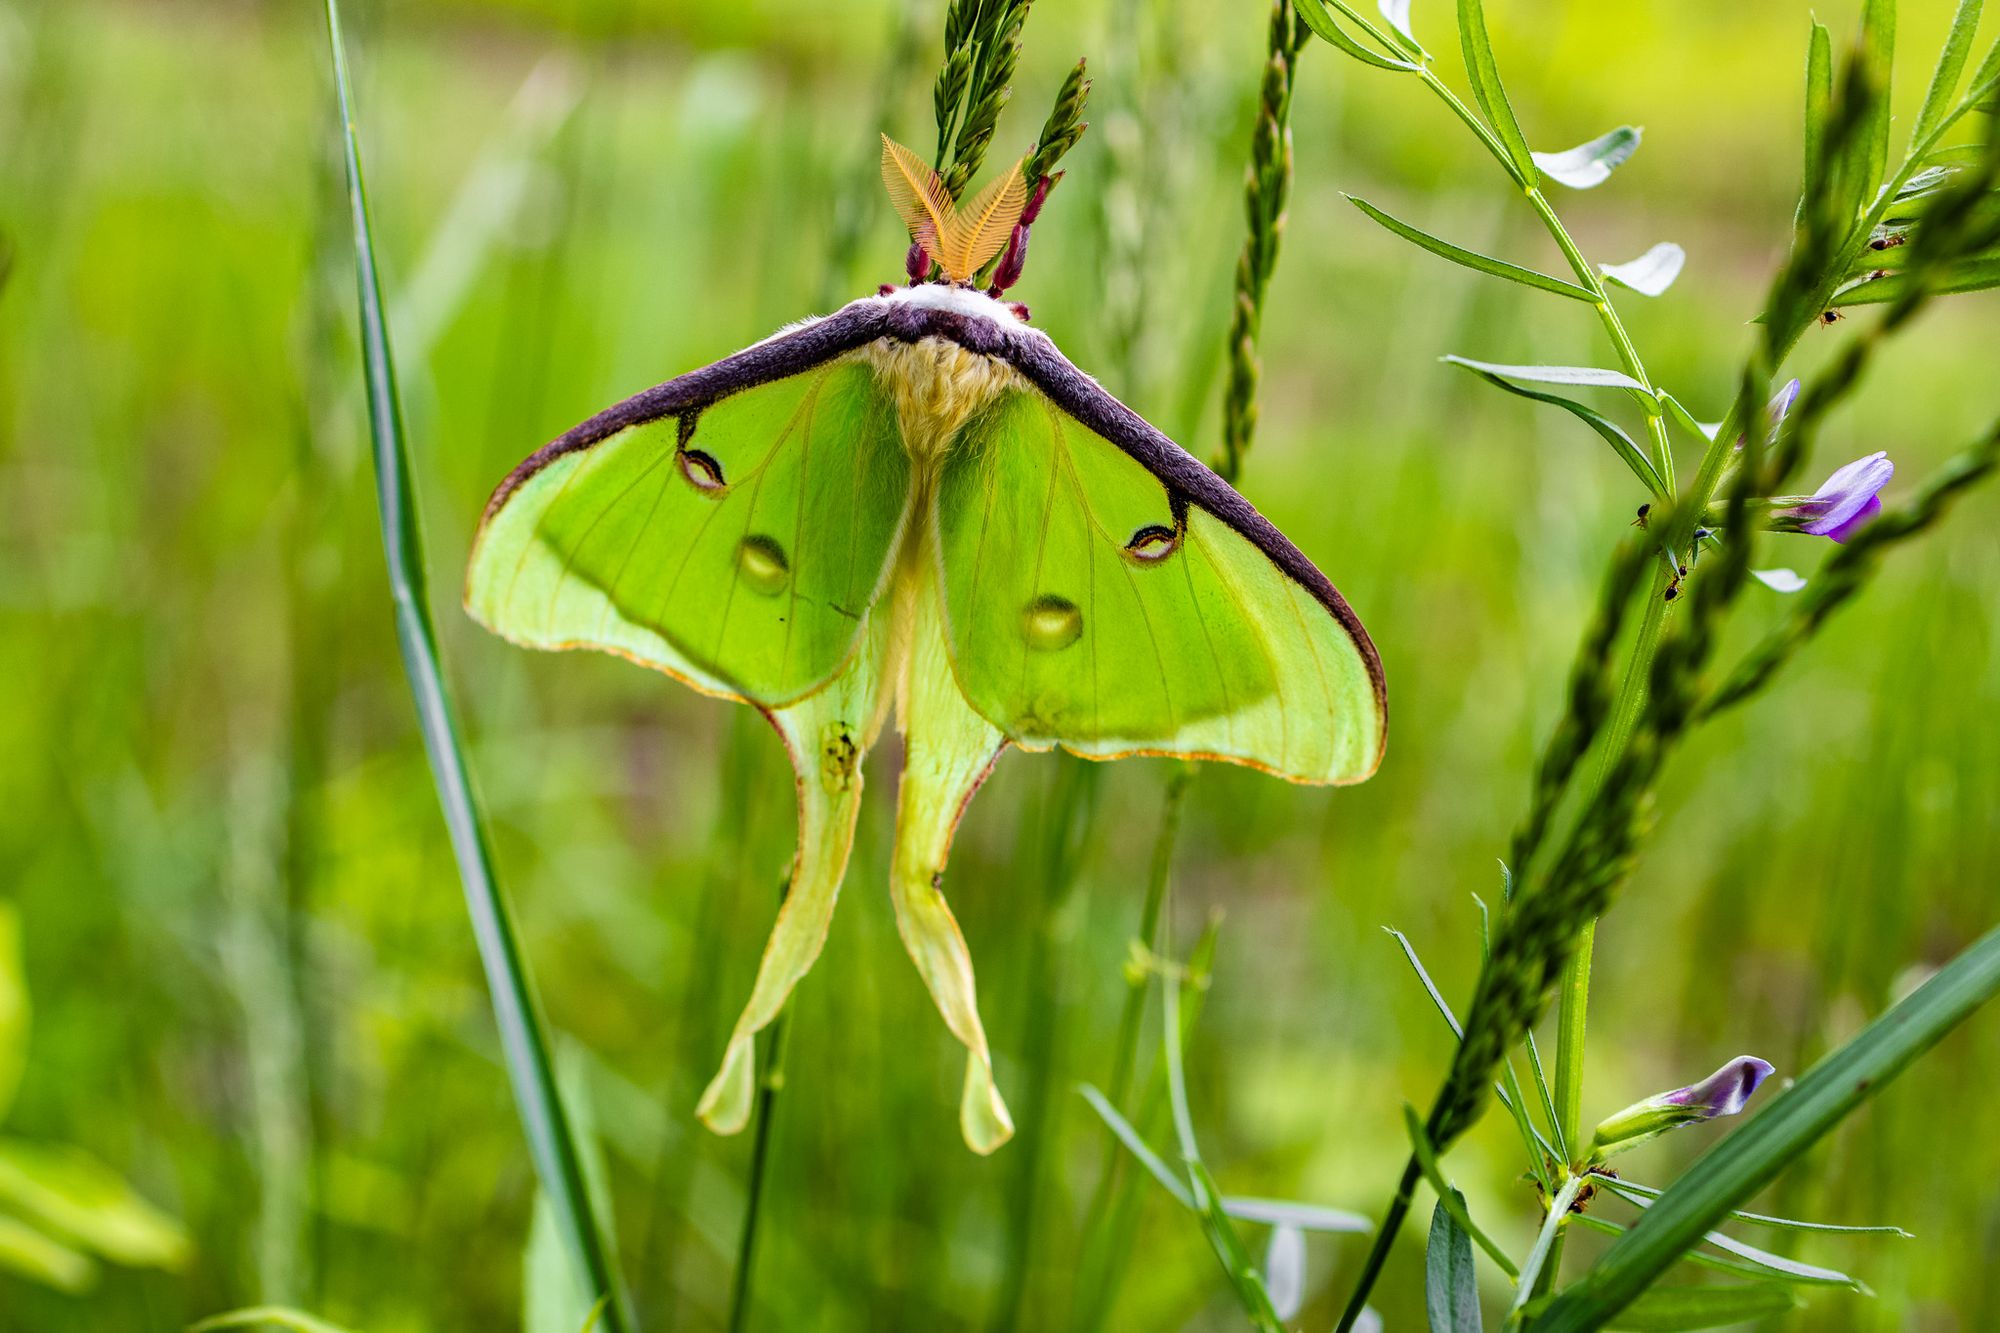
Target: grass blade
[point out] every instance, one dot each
(1751, 1157)
(1486, 88)
(551, 1142)
(1136, 1145)
(1472, 259)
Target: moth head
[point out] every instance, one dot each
(960, 239)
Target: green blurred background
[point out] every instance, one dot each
(254, 992)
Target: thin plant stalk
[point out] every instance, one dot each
(524, 1044)
(772, 1062)
(1100, 1238)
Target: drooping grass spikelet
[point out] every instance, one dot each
(1267, 183)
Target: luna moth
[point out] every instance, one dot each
(917, 504)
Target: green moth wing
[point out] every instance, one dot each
(1096, 605)
(737, 545)
(1034, 565)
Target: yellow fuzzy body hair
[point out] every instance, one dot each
(938, 385)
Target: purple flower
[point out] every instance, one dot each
(1777, 410)
(1847, 499)
(1725, 1091)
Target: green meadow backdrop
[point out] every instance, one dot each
(250, 988)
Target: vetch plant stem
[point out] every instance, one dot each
(551, 1144)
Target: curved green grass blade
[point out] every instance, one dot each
(1472, 259)
(1750, 1158)
(524, 1045)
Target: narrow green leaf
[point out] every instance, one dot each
(1448, 1197)
(298, 1321)
(1136, 1145)
(1304, 1216)
(1589, 165)
(1430, 987)
(1678, 414)
(1626, 1184)
(1542, 1090)
(523, 1041)
(1651, 273)
(1314, 12)
(1488, 91)
(1591, 376)
(1622, 444)
(1819, 105)
(1672, 1309)
(1472, 259)
(1451, 1282)
(1797, 1118)
(1951, 63)
(1967, 275)
(1878, 52)
(1791, 1269)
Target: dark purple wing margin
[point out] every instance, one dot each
(784, 354)
(1030, 352)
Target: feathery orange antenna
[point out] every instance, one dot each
(962, 241)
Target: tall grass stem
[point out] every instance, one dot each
(524, 1044)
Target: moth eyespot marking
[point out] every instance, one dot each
(1051, 623)
(701, 470)
(762, 563)
(1153, 543)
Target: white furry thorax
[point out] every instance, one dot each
(938, 385)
